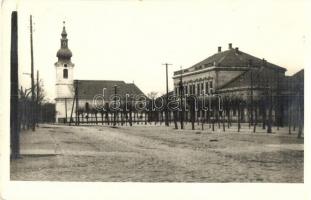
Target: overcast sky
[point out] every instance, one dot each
(130, 40)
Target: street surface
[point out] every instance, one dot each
(150, 153)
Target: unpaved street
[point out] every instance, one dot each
(157, 154)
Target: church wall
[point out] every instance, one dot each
(59, 72)
(64, 91)
(61, 109)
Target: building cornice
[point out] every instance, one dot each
(213, 68)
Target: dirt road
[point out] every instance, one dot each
(157, 154)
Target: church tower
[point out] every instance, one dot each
(64, 79)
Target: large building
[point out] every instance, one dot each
(84, 92)
(222, 72)
(235, 74)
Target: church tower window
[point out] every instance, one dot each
(65, 73)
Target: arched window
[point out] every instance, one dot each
(65, 73)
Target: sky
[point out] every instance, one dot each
(130, 40)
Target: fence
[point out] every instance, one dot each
(265, 112)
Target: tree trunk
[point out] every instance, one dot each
(255, 119)
(289, 117)
(239, 116)
(175, 119)
(264, 114)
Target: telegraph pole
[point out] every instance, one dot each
(252, 95)
(38, 99)
(32, 80)
(14, 125)
(77, 101)
(166, 107)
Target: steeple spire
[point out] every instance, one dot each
(64, 33)
(64, 52)
(64, 40)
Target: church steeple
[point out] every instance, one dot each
(64, 52)
(64, 78)
(64, 40)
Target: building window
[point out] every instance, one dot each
(202, 87)
(65, 73)
(211, 84)
(176, 91)
(206, 88)
(198, 89)
(65, 65)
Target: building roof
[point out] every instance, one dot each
(258, 77)
(296, 81)
(299, 75)
(88, 89)
(261, 78)
(64, 52)
(229, 58)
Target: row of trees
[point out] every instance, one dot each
(222, 112)
(35, 112)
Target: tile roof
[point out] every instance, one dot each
(87, 89)
(229, 58)
(260, 76)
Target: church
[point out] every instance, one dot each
(71, 92)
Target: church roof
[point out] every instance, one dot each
(88, 89)
(64, 52)
(229, 58)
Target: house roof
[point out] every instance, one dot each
(299, 75)
(229, 58)
(88, 89)
(296, 81)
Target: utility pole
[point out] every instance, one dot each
(166, 107)
(33, 123)
(252, 95)
(38, 99)
(14, 125)
(77, 122)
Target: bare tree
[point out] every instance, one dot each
(152, 95)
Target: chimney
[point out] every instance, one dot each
(219, 49)
(230, 45)
(236, 49)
